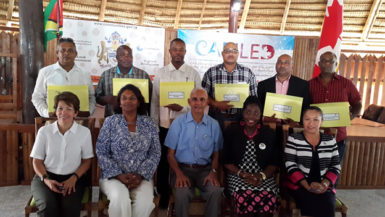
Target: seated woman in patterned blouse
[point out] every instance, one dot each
(313, 167)
(128, 152)
(251, 157)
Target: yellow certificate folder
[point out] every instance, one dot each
(81, 91)
(335, 114)
(175, 92)
(235, 93)
(283, 106)
(142, 84)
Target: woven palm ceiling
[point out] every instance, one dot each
(364, 20)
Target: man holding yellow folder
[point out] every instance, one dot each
(330, 87)
(64, 72)
(284, 83)
(176, 71)
(124, 69)
(229, 72)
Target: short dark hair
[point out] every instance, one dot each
(313, 108)
(123, 47)
(69, 98)
(142, 109)
(177, 40)
(63, 40)
(252, 100)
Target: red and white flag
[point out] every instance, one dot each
(331, 32)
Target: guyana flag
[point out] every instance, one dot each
(53, 12)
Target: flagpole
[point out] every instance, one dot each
(58, 19)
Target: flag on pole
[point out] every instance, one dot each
(331, 32)
(53, 15)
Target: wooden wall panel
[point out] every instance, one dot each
(304, 55)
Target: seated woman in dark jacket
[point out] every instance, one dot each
(251, 158)
(313, 167)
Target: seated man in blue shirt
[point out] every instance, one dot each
(194, 140)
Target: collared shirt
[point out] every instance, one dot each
(55, 75)
(339, 89)
(219, 75)
(105, 84)
(281, 87)
(62, 154)
(169, 73)
(120, 151)
(194, 142)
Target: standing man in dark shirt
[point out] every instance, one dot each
(330, 87)
(284, 83)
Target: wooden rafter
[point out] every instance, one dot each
(371, 18)
(202, 12)
(177, 15)
(10, 9)
(245, 12)
(284, 17)
(102, 10)
(142, 11)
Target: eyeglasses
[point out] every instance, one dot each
(230, 50)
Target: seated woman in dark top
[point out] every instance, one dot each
(251, 158)
(313, 167)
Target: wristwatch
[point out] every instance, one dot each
(43, 177)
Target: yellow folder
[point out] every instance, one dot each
(283, 106)
(81, 91)
(175, 92)
(142, 84)
(235, 93)
(335, 114)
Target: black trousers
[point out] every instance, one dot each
(162, 184)
(315, 205)
(51, 203)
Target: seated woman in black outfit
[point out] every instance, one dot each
(313, 167)
(251, 158)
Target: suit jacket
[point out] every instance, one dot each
(297, 87)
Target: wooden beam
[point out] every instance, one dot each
(10, 9)
(245, 12)
(177, 15)
(371, 18)
(142, 11)
(284, 17)
(202, 12)
(102, 10)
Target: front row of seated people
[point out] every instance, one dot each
(128, 151)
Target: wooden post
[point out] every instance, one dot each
(31, 51)
(233, 19)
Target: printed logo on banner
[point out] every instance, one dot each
(107, 49)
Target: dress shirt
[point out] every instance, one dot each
(219, 75)
(281, 87)
(105, 84)
(339, 89)
(169, 73)
(55, 75)
(194, 142)
(120, 151)
(62, 154)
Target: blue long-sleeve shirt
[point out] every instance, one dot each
(120, 151)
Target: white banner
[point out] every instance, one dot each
(96, 43)
(258, 52)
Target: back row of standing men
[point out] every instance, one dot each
(327, 87)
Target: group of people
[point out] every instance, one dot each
(139, 138)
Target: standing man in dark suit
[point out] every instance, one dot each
(284, 82)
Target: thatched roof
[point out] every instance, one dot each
(364, 20)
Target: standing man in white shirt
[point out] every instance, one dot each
(64, 72)
(176, 71)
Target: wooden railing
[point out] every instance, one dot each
(16, 141)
